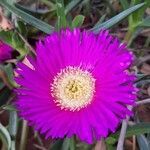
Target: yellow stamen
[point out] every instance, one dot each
(73, 88)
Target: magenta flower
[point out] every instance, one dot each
(78, 85)
(5, 51)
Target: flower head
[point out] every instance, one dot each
(79, 84)
(5, 51)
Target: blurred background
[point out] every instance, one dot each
(23, 22)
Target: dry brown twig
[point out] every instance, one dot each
(100, 145)
(40, 147)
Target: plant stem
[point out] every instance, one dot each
(24, 134)
(13, 143)
(13, 123)
(27, 44)
(128, 36)
(145, 101)
(123, 132)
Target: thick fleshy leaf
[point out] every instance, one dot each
(114, 20)
(13, 123)
(137, 129)
(143, 142)
(62, 22)
(124, 4)
(71, 5)
(28, 18)
(4, 95)
(14, 40)
(57, 145)
(145, 22)
(78, 21)
(4, 135)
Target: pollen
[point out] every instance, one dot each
(73, 88)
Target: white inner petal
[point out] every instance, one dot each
(73, 88)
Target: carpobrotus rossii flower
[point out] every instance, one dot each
(78, 84)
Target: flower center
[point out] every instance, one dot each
(73, 88)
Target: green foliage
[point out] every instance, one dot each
(13, 123)
(56, 145)
(101, 20)
(22, 29)
(145, 22)
(60, 11)
(71, 5)
(31, 11)
(68, 144)
(114, 20)
(14, 40)
(1, 85)
(5, 136)
(136, 19)
(48, 3)
(4, 95)
(125, 4)
(28, 18)
(143, 142)
(8, 137)
(13, 120)
(78, 21)
(62, 22)
(10, 75)
(137, 129)
(8, 107)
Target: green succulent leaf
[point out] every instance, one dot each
(56, 145)
(124, 4)
(114, 20)
(137, 129)
(9, 73)
(13, 119)
(62, 22)
(66, 144)
(5, 137)
(143, 142)
(145, 22)
(8, 107)
(78, 21)
(71, 5)
(14, 40)
(28, 18)
(4, 95)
